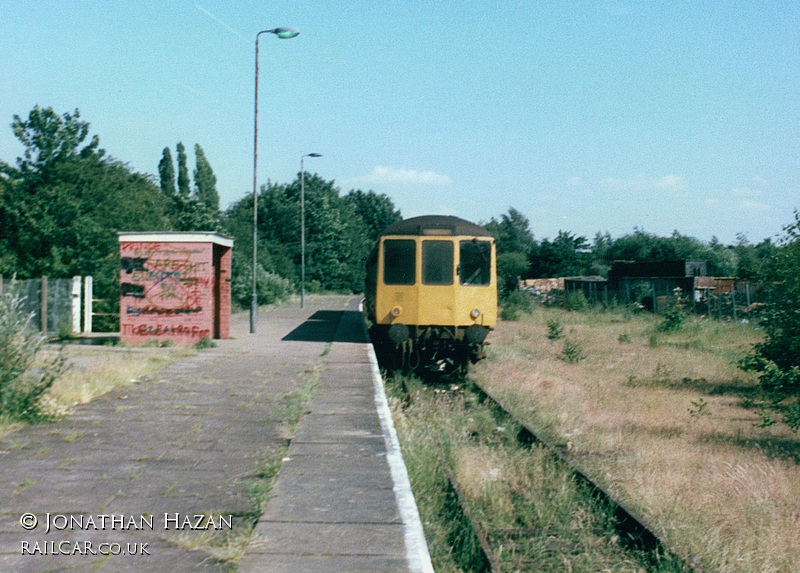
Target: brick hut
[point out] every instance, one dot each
(174, 286)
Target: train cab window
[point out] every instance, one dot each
(475, 263)
(437, 262)
(399, 261)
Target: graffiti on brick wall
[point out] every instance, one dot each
(165, 288)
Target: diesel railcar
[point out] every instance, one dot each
(431, 293)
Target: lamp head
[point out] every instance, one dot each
(285, 33)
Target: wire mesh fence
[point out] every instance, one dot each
(50, 301)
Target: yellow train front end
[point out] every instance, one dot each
(432, 293)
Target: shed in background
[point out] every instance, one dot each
(174, 286)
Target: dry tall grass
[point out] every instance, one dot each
(95, 371)
(659, 419)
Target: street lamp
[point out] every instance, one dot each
(282, 33)
(303, 228)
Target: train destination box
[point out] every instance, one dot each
(174, 286)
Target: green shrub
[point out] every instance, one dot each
(576, 300)
(777, 358)
(572, 353)
(270, 287)
(554, 330)
(514, 304)
(672, 319)
(21, 385)
(205, 342)
(673, 316)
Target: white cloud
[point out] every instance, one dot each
(381, 174)
(642, 183)
(577, 180)
(754, 206)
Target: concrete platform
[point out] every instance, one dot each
(189, 442)
(342, 501)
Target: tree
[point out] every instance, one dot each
(205, 181)
(188, 213)
(513, 239)
(645, 247)
(183, 172)
(198, 211)
(49, 138)
(64, 204)
(512, 232)
(376, 211)
(777, 358)
(339, 231)
(166, 172)
(337, 238)
(510, 268)
(567, 255)
(752, 259)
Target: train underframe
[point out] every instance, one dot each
(442, 351)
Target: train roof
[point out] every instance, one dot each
(436, 225)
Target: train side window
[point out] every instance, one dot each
(437, 262)
(399, 261)
(475, 263)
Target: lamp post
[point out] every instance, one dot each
(303, 228)
(282, 33)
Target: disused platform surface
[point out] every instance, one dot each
(191, 442)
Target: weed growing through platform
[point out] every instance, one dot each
(228, 548)
(262, 482)
(295, 404)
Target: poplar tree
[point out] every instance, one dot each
(166, 171)
(205, 181)
(183, 171)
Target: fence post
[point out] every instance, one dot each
(75, 305)
(87, 304)
(655, 299)
(43, 305)
(733, 301)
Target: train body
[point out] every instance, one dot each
(431, 293)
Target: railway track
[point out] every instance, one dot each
(634, 532)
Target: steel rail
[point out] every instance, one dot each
(628, 520)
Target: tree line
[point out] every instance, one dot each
(63, 202)
(521, 255)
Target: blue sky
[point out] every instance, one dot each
(585, 116)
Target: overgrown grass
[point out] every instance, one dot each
(537, 517)
(99, 376)
(24, 375)
(660, 418)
